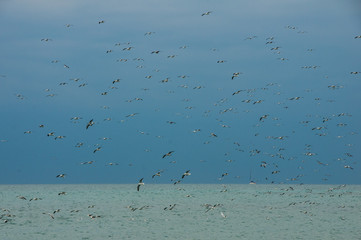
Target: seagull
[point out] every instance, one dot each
(263, 117)
(122, 60)
(35, 199)
(56, 211)
(131, 115)
(206, 13)
(250, 38)
(51, 215)
(176, 182)
(168, 154)
(236, 74)
(140, 183)
(187, 173)
(97, 149)
(59, 137)
(90, 123)
(75, 118)
(89, 162)
(263, 164)
(224, 174)
(157, 174)
(61, 175)
(148, 33)
(21, 197)
(111, 164)
(116, 80)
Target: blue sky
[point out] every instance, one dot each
(295, 60)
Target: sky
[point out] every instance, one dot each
(234, 91)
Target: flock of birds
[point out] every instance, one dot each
(242, 129)
(248, 97)
(306, 199)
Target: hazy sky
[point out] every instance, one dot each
(290, 114)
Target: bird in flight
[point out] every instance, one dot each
(206, 13)
(168, 154)
(97, 149)
(187, 173)
(140, 183)
(157, 174)
(90, 123)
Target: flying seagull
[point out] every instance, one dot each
(187, 173)
(140, 183)
(97, 149)
(90, 123)
(157, 174)
(168, 154)
(206, 13)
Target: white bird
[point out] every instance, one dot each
(206, 13)
(187, 173)
(140, 183)
(90, 123)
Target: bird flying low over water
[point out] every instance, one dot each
(263, 117)
(236, 74)
(90, 123)
(140, 183)
(187, 173)
(131, 115)
(206, 13)
(168, 154)
(61, 175)
(97, 149)
(51, 215)
(59, 137)
(157, 174)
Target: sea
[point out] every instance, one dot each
(182, 211)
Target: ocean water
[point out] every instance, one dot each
(181, 211)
